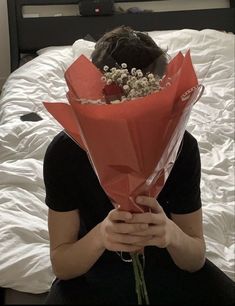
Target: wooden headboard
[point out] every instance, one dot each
(27, 35)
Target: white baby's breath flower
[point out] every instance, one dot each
(133, 79)
(124, 65)
(150, 76)
(126, 87)
(137, 84)
(133, 71)
(152, 81)
(139, 74)
(119, 80)
(106, 68)
(132, 92)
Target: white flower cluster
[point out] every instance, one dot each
(134, 84)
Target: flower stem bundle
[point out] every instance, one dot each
(140, 284)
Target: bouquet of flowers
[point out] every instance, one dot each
(131, 126)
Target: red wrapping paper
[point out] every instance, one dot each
(132, 145)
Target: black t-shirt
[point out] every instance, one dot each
(71, 183)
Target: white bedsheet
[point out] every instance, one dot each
(24, 245)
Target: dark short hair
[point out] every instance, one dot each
(136, 49)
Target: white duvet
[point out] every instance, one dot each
(24, 245)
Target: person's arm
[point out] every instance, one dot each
(182, 236)
(71, 257)
(188, 245)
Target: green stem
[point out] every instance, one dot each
(143, 287)
(137, 278)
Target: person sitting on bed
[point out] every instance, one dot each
(87, 233)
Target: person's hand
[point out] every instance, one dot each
(159, 227)
(118, 234)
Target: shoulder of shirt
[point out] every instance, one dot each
(63, 146)
(189, 140)
(188, 151)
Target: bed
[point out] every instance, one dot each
(39, 57)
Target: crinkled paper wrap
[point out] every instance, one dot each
(132, 145)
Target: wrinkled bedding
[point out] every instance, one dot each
(24, 242)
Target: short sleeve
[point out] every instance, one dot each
(61, 174)
(183, 192)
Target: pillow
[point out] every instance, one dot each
(51, 48)
(82, 46)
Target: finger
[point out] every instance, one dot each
(126, 228)
(155, 241)
(152, 230)
(130, 239)
(119, 215)
(160, 242)
(152, 203)
(121, 247)
(148, 218)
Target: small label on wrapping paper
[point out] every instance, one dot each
(185, 96)
(198, 89)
